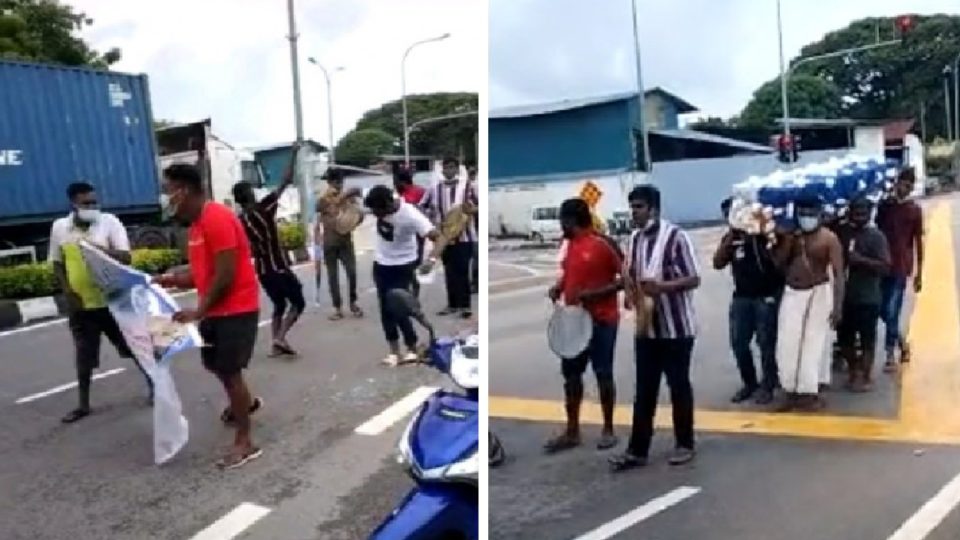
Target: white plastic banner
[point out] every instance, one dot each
(144, 313)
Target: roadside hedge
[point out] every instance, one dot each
(35, 280)
(292, 236)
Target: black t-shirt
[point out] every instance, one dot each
(754, 273)
(260, 224)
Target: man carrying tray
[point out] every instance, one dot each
(811, 258)
(590, 278)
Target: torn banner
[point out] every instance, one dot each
(144, 311)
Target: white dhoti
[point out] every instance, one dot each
(803, 339)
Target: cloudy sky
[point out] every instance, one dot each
(714, 53)
(229, 59)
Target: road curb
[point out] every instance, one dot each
(14, 313)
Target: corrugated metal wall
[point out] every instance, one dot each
(67, 124)
(597, 137)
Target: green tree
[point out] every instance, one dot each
(810, 97)
(46, 31)
(890, 82)
(361, 147)
(453, 137)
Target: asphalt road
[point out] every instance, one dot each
(317, 478)
(866, 468)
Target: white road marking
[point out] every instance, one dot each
(931, 514)
(65, 387)
(231, 525)
(37, 326)
(650, 509)
(394, 413)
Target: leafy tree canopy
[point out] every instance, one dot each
(363, 146)
(451, 137)
(890, 82)
(46, 31)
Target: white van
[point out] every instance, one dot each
(545, 224)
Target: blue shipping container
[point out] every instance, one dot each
(60, 125)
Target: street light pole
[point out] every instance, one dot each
(946, 102)
(783, 77)
(640, 91)
(403, 91)
(956, 96)
(306, 208)
(326, 75)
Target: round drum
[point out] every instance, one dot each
(348, 219)
(569, 331)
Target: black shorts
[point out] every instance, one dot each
(861, 321)
(87, 327)
(228, 342)
(283, 288)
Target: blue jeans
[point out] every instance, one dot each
(758, 317)
(893, 288)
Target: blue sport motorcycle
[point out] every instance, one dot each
(439, 448)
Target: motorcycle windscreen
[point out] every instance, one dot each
(447, 431)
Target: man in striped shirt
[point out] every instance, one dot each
(273, 268)
(662, 263)
(450, 192)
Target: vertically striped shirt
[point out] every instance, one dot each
(261, 225)
(674, 314)
(439, 199)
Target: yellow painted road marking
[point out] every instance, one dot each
(930, 396)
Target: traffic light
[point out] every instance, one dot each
(904, 25)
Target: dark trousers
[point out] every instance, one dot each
(421, 241)
(388, 278)
(758, 317)
(893, 289)
(655, 358)
(334, 255)
(456, 264)
(475, 268)
(87, 327)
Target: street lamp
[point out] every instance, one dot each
(403, 90)
(326, 75)
(946, 102)
(956, 96)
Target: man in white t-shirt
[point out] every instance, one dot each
(87, 310)
(395, 262)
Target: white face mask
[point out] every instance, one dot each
(808, 223)
(167, 206)
(88, 215)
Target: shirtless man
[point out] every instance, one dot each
(808, 310)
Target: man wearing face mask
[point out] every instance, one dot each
(450, 192)
(228, 297)
(901, 221)
(811, 258)
(87, 311)
(868, 261)
(591, 278)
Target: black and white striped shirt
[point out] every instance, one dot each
(439, 199)
(674, 314)
(260, 224)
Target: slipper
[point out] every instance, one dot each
(626, 461)
(411, 357)
(284, 349)
(227, 415)
(335, 317)
(238, 459)
(75, 415)
(904, 353)
(356, 311)
(392, 360)
(560, 443)
(607, 441)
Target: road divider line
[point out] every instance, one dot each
(931, 514)
(641, 513)
(396, 412)
(65, 387)
(231, 525)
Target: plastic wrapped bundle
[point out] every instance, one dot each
(763, 203)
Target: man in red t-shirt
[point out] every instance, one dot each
(591, 278)
(901, 221)
(228, 297)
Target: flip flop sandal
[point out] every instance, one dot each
(237, 459)
(626, 462)
(284, 350)
(75, 415)
(560, 443)
(356, 311)
(335, 317)
(607, 442)
(227, 415)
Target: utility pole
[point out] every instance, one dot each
(783, 76)
(645, 143)
(306, 205)
(946, 103)
(923, 122)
